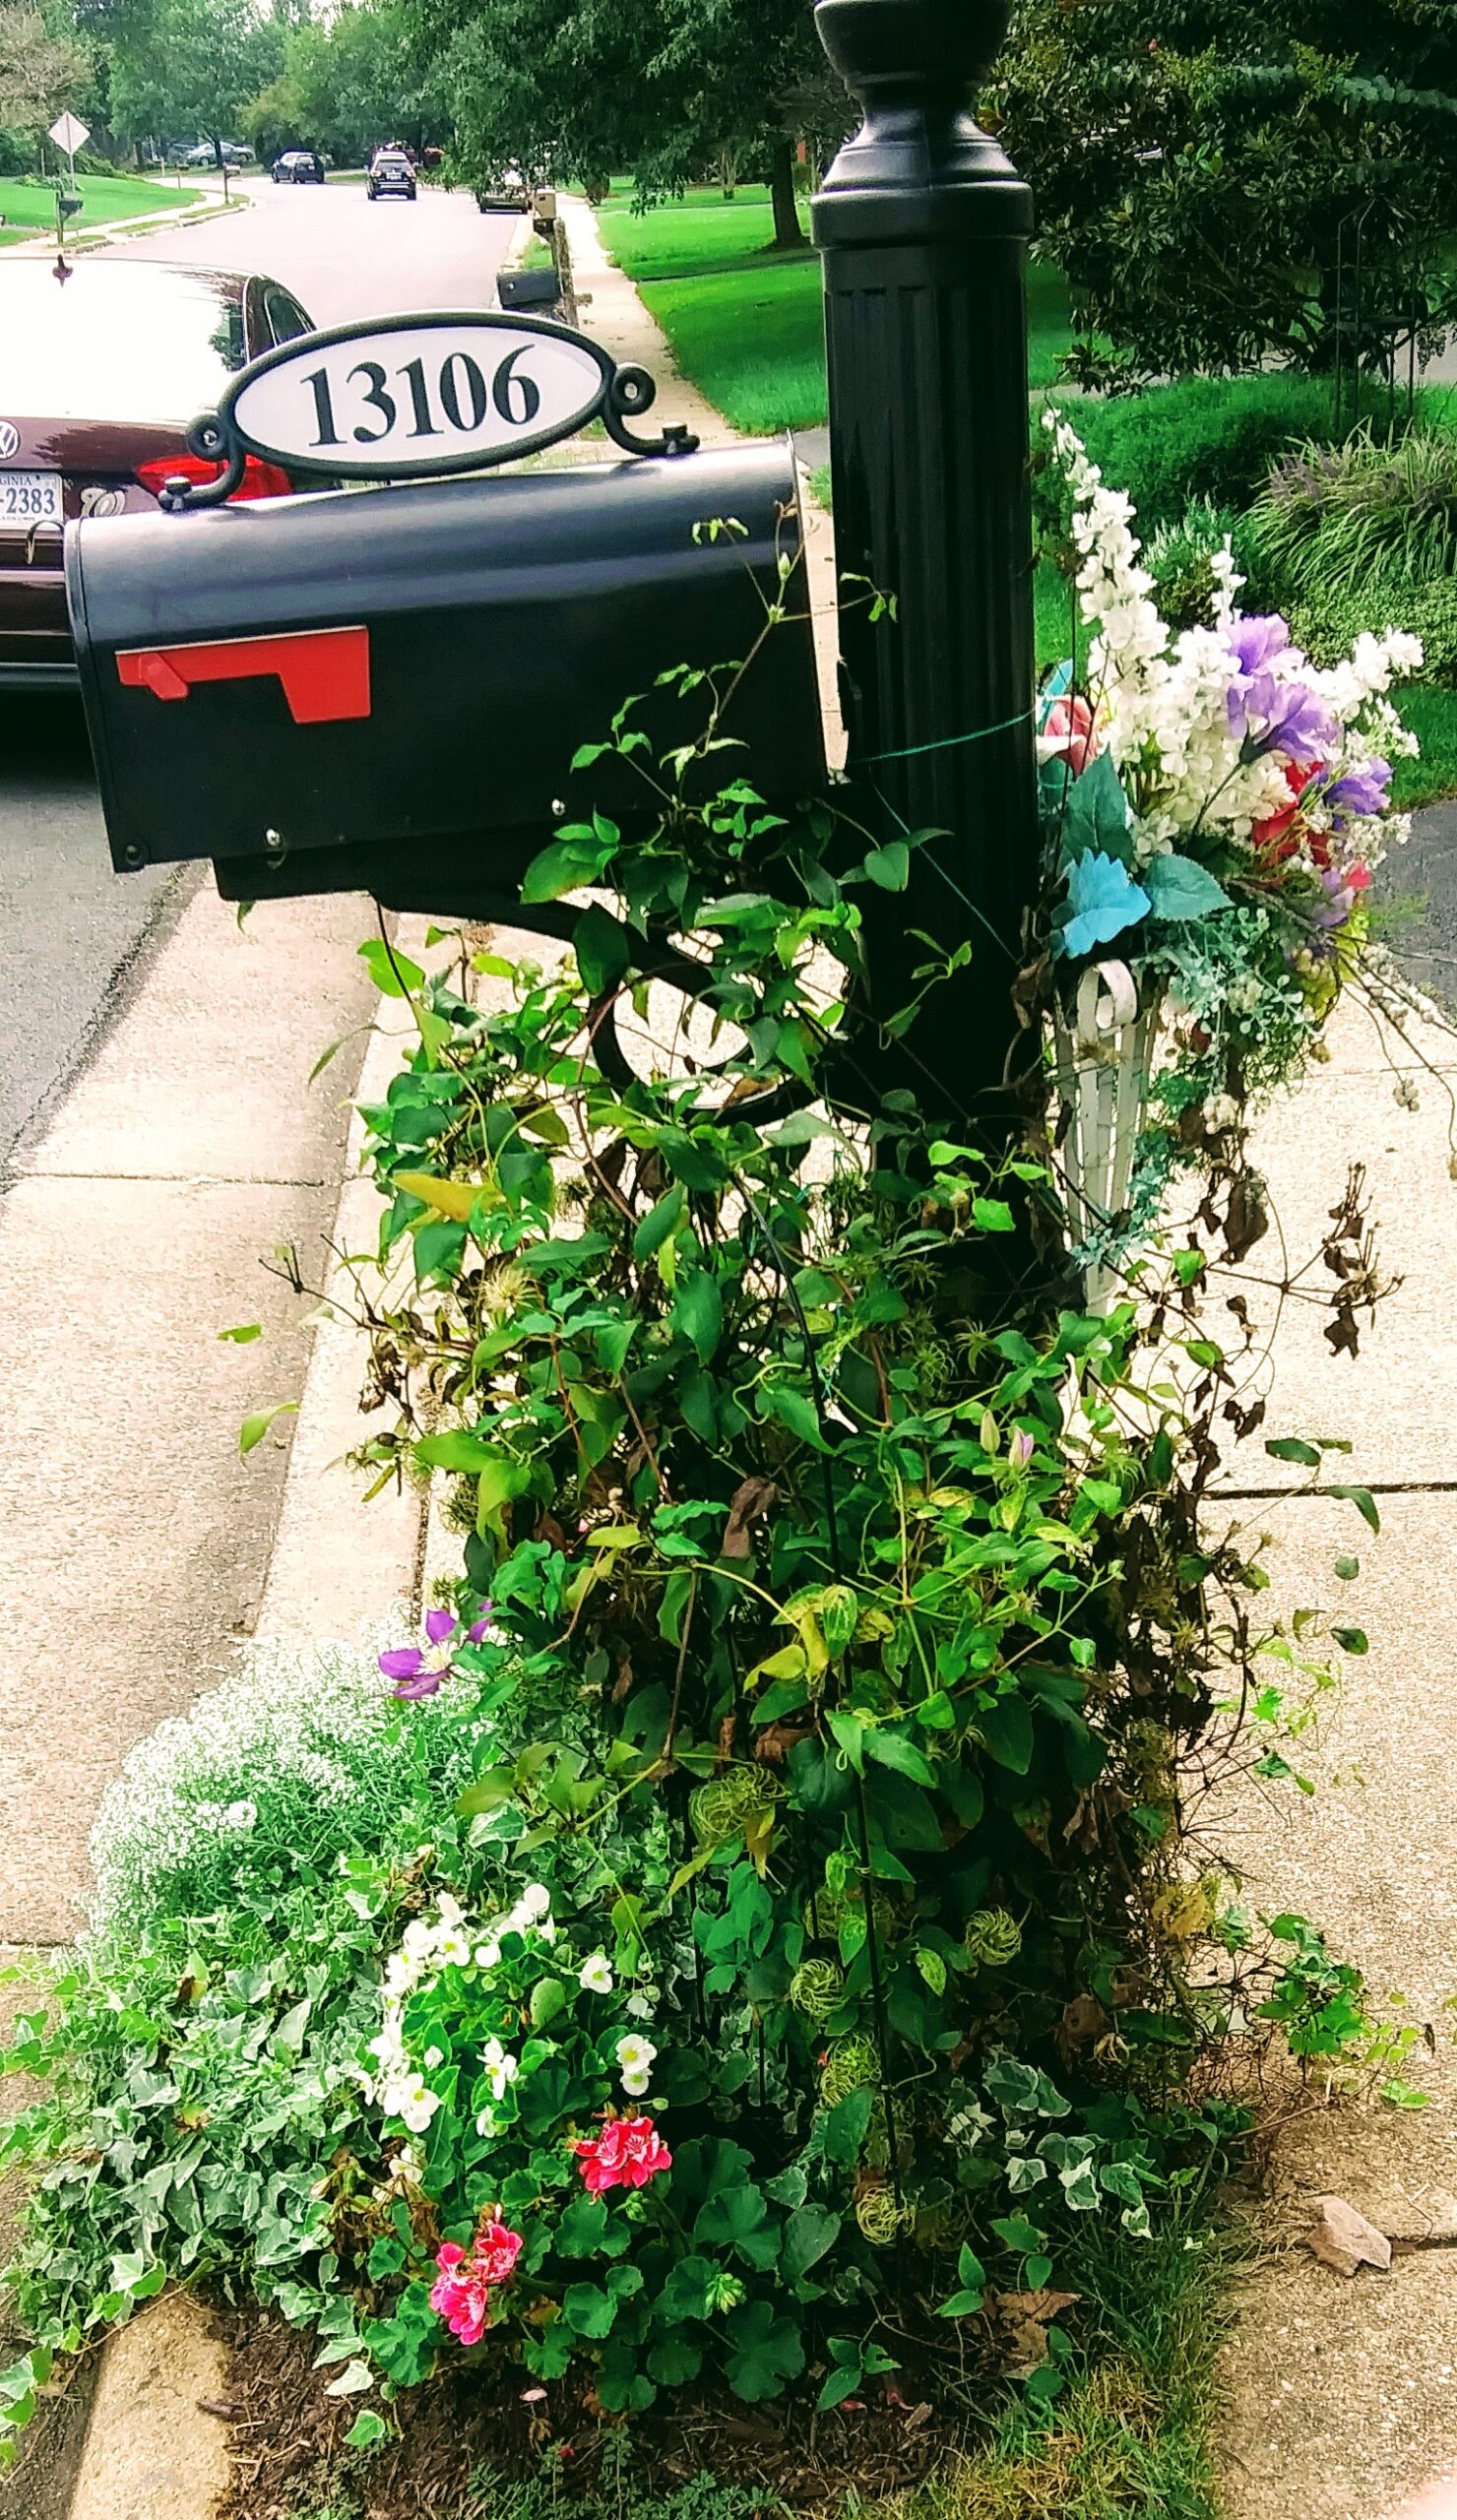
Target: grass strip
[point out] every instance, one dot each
(30, 204)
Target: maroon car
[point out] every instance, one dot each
(102, 373)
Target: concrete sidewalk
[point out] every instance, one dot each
(1342, 2395)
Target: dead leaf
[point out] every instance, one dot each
(1023, 2320)
(1084, 2022)
(1346, 2240)
(1248, 1217)
(749, 1504)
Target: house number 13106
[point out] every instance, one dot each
(460, 390)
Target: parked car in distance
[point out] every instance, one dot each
(299, 166)
(101, 375)
(509, 191)
(391, 176)
(205, 155)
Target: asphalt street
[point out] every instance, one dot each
(73, 935)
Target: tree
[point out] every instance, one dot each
(345, 85)
(1204, 168)
(186, 65)
(585, 90)
(41, 68)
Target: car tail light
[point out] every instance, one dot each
(260, 480)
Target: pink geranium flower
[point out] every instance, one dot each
(627, 2153)
(461, 2292)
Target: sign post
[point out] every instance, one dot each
(923, 226)
(69, 134)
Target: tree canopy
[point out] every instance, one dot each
(1205, 167)
(585, 90)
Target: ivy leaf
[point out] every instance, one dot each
(1181, 888)
(1102, 901)
(992, 1216)
(368, 2429)
(658, 1222)
(394, 973)
(1351, 1640)
(1292, 1448)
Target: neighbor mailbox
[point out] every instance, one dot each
(385, 688)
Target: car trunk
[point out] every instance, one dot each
(97, 462)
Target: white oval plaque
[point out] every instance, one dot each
(418, 397)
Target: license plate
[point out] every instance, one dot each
(31, 498)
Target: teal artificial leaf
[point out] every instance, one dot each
(1102, 901)
(1181, 888)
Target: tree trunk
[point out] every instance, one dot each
(786, 228)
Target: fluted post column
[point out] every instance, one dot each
(923, 227)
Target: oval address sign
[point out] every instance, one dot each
(420, 394)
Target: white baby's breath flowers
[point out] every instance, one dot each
(596, 1974)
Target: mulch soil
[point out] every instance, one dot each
(287, 2439)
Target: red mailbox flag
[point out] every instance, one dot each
(325, 673)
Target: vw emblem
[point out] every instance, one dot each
(10, 440)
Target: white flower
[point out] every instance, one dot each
(595, 1975)
(501, 2069)
(415, 2103)
(643, 2004)
(485, 2124)
(419, 1939)
(240, 1815)
(535, 1901)
(433, 2057)
(487, 1955)
(635, 2056)
(454, 1948)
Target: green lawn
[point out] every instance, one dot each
(28, 205)
(745, 323)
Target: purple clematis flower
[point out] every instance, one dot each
(418, 1672)
(1362, 791)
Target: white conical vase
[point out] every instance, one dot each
(1101, 1073)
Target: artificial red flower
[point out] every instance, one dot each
(1274, 832)
(627, 2153)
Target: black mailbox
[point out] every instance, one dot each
(313, 690)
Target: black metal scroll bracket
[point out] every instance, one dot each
(630, 390)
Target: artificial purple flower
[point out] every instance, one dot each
(419, 1673)
(1362, 791)
(1297, 724)
(1258, 638)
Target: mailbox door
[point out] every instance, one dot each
(415, 663)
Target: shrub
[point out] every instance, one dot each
(1205, 437)
(1327, 624)
(1179, 559)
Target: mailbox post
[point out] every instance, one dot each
(923, 226)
